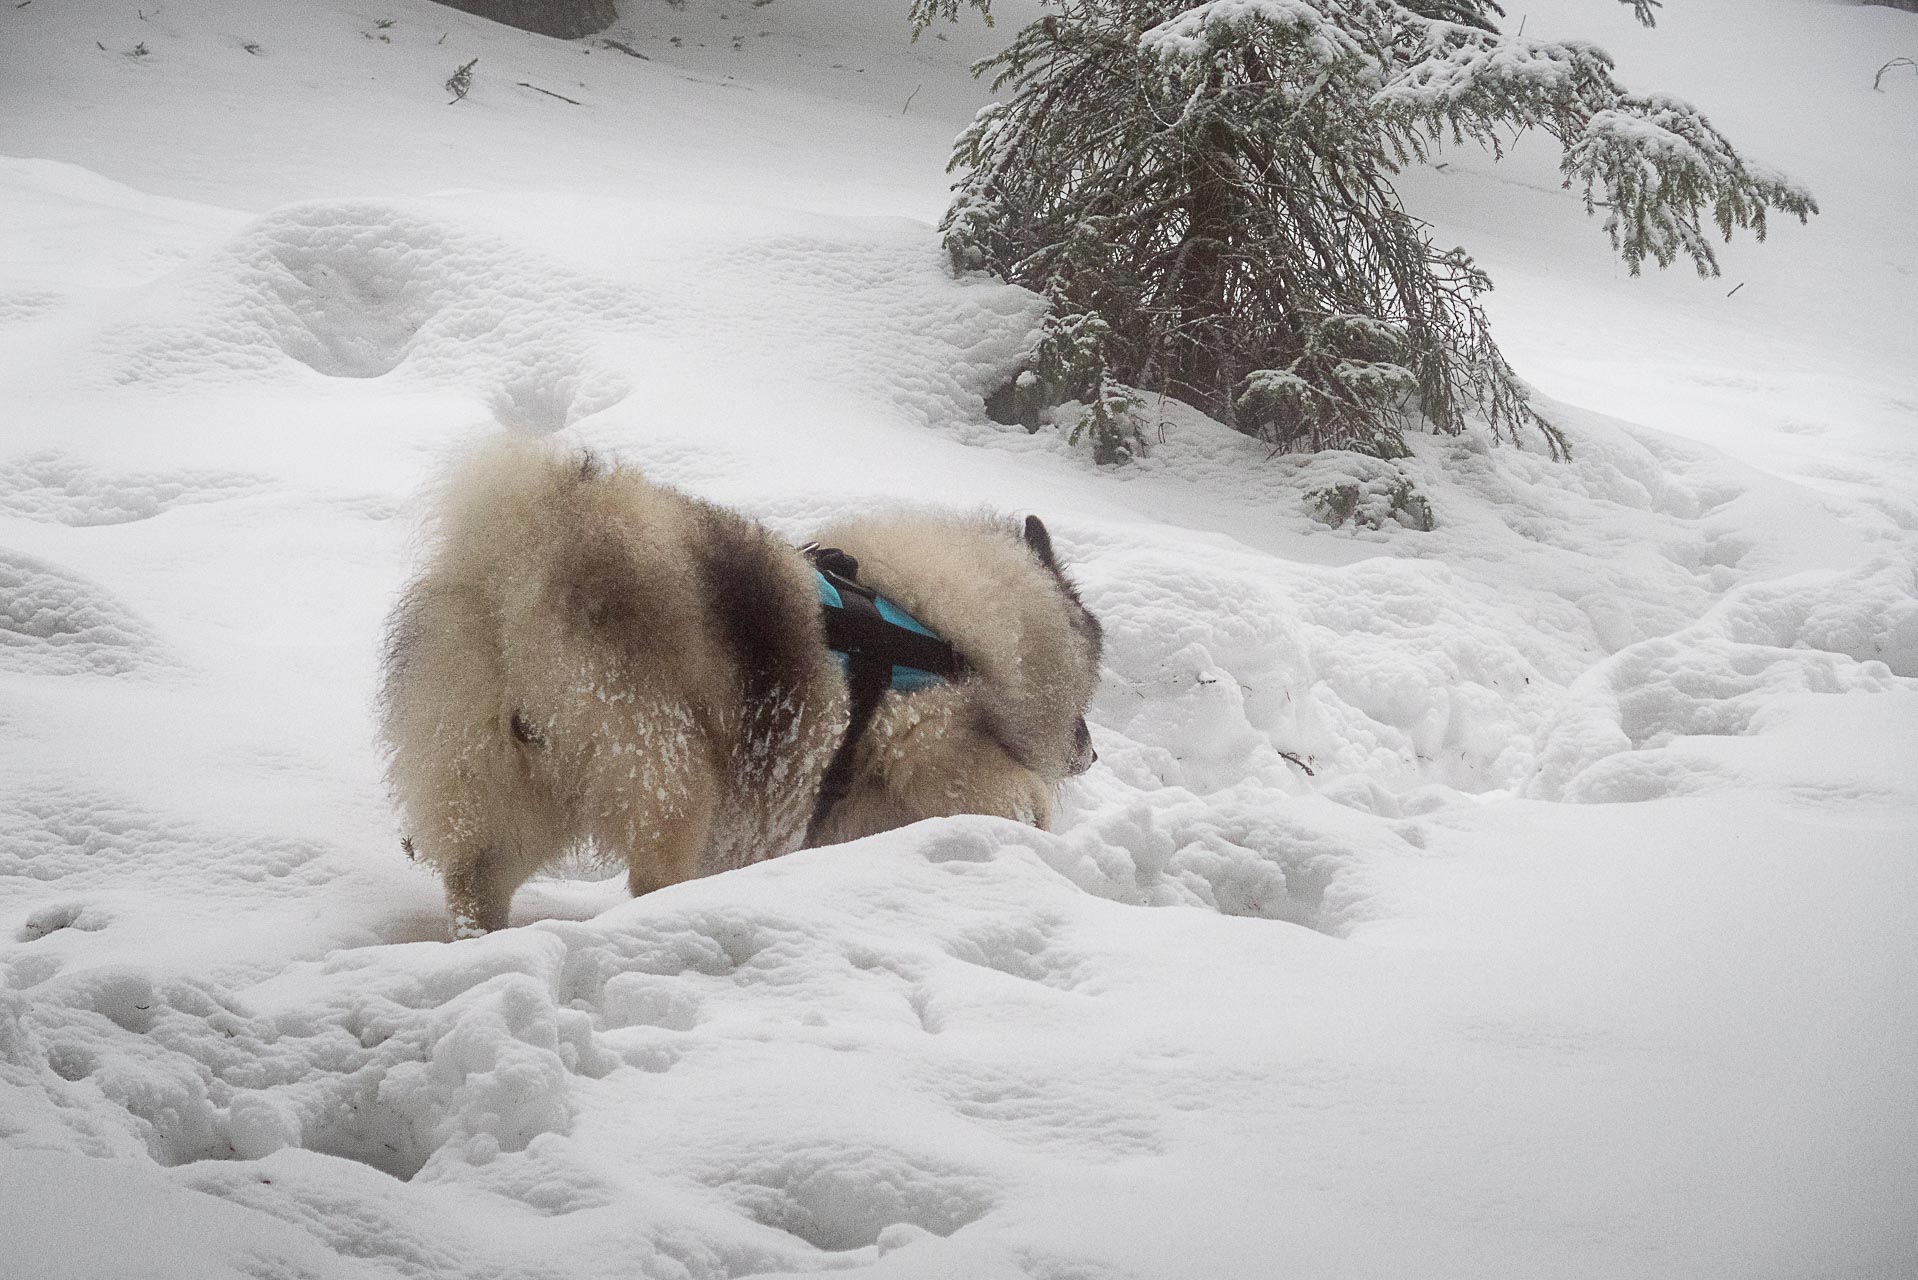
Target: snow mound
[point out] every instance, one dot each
(181, 1235)
(53, 622)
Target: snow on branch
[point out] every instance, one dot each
(1202, 192)
(1653, 162)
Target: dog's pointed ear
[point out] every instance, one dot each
(1040, 541)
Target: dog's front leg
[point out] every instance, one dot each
(478, 893)
(670, 844)
(1002, 788)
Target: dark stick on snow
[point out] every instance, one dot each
(549, 93)
(1736, 288)
(1293, 757)
(624, 48)
(909, 97)
(1895, 62)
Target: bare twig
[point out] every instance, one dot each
(624, 48)
(1736, 288)
(549, 93)
(1895, 62)
(1293, 757)
(909, 97)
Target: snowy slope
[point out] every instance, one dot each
(1530, 896)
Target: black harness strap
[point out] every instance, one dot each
(858, 629)
(873, 647)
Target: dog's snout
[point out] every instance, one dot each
(1083, 754)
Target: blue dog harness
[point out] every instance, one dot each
(880, 646)
(845, 619)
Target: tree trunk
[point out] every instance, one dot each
(564, 19)
(1199, 368)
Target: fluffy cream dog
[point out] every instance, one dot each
(588, 658)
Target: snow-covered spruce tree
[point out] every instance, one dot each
(1203, 194)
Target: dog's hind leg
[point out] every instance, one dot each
(490, 833)
(461, 756)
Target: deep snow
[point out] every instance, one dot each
(1530, 896)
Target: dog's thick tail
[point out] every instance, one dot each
(503, 500)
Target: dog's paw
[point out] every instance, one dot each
(465, 927)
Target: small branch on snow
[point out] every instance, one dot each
(1736, 288)
(1895, 62)
(1293, 758)
(461, 81)
(549, 93)
(909, 97)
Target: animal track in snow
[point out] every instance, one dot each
(60, 489)
(1307, 862)
(82, 838)
(61, 915)
(360, 289)
(1019, 949)
(646, 1000)
(20, 306)
(1807, 634)
(1036, 1112)
(843, 1197)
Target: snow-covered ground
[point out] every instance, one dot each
(1535, 896)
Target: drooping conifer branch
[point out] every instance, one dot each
(1203, 194)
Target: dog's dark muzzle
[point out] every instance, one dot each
(1083, 756)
